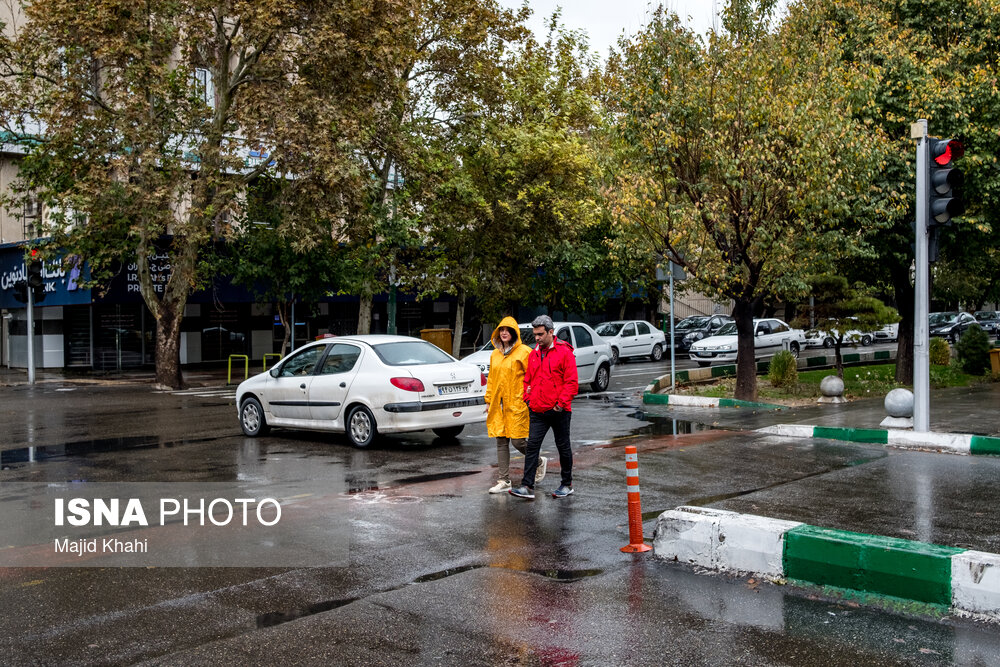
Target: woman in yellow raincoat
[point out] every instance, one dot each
(507, 419)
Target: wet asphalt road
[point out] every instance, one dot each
(440, 572)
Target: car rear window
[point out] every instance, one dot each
(610, 328)
(411, 353)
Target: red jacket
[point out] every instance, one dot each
(550, 379)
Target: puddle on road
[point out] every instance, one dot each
(273, 618)
(87, 447)
(436, 576)
(666, 426)
(567, 576)
(420, 479)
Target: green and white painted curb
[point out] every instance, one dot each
(964, 581)
(704, 402)
(955, 443)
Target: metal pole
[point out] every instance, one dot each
(293, 325)
(921, 347)
(31, 335)
(670, 266)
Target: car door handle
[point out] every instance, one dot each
(302, 386)
(343, 384)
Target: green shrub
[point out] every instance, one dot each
(783, 371)
(974, 351)
(940, 352)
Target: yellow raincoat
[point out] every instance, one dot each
(508, 414)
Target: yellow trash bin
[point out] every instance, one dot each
(439, 337)
(995, 360)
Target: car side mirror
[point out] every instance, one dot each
(760, 332)
(274, 372)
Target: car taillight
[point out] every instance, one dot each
(482, 379)
(407, 384)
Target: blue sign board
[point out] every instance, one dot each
(62, 285)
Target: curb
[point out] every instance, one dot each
(961, 580)
(650, 397)
(729, 370)
(952, 443)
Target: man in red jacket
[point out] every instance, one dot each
(550, 383)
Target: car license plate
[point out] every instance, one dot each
(704, 354)
(453, 389)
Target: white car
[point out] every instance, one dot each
(593, 354)
(632, 338)
(363, 386)
(771, 336)
(888, 333)
(828, 338)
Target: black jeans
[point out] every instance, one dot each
(539, 425)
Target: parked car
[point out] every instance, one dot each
(363, 386)
(771, 336)
(950, 325)
(888, 333)
(632, 338)
(593, 354)
(696, 327)
(989, 320)
(827, 337)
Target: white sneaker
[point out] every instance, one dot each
(500, 487)
(540, 471)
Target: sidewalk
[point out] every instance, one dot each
(195, 377)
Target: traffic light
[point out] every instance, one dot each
(945, 181)
(35, 281)
(21, 291)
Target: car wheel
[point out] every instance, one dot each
(448, 432)
(866, 340)
(704, 364)
(361, 427)
(614, 355)
(602, 379)
(827, 342)
(252, 418)
(793, 347)
(657, 352)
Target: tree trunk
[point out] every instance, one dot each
(365, 309)
(621, 311)
(168, 347)
(746, 364)
(905, 296)
(456, 343)
(838, 357)
(284, 314)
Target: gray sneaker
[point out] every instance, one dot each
(523, 492)
(540, 471)
(562, 491)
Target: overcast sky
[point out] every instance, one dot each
(605, 21)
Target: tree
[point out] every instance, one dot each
(515, 187)
(144, 122)
(912, 60)
(839, 309)
(740, 158)
(276, 267)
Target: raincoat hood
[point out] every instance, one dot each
(510, 323)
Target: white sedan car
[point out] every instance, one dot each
(632, 338)
(770, 337)
(593, 354)
(364, 385)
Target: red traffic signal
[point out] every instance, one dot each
(945, 182)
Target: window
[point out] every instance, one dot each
(629, 330)
(341, 359)
(32, 217)
(763, 328)
(417, 353)
(563, 335)
(778, 326)
(642, 328)
(583, 337)
(302, 363)
(204, 87)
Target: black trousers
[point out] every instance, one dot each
(538, 425)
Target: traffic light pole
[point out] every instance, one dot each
(921, 306)
(31, 337)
